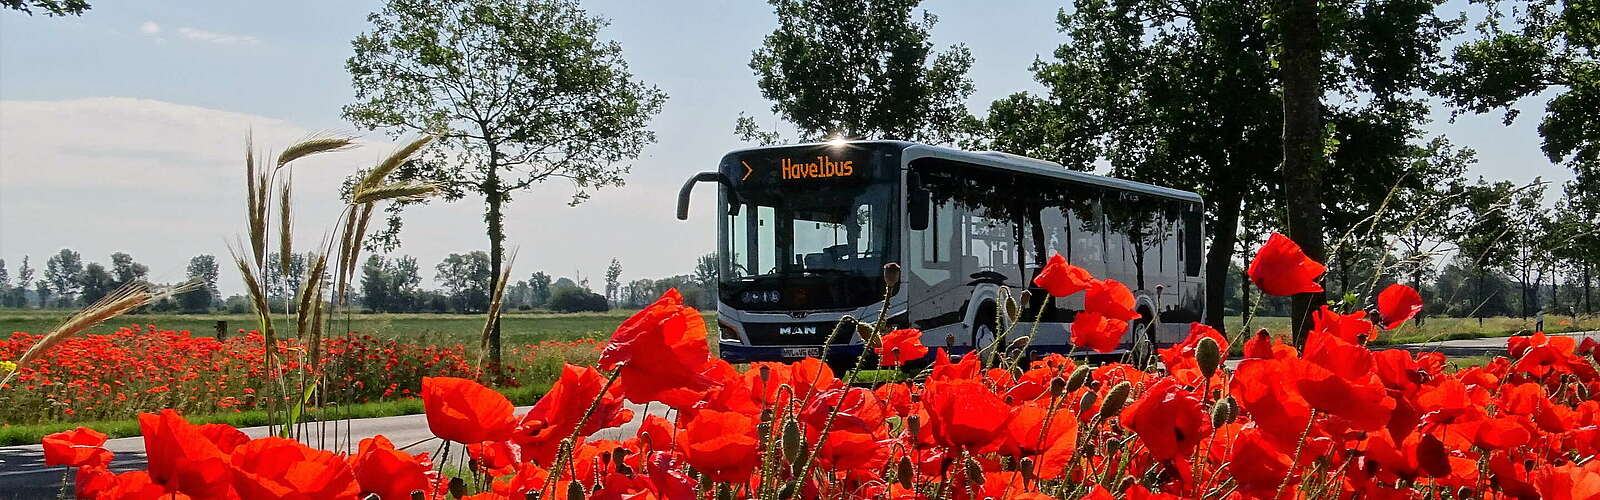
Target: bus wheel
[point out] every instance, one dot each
(984, 329)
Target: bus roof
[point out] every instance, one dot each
(912, 151)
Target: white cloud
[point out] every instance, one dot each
(150, 28)
(201, 35)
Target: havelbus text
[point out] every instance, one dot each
(823, 167)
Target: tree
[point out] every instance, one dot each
(539, 289)
(42, 291)
(465, 278)
(1536, 47)
(375, 285)
(518, 91)
(283, 286)
(614, 281)
(1485, 235)
(1191, 98)
(5, 285)
(19, 296)
(125, 270)
(51, 8)
(64, 271)
(96, 283)
(705, 271)
(860, 68)
(202, 267)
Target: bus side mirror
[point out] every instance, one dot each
(916, 202)
(717, 177)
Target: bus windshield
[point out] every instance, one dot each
(812, 233)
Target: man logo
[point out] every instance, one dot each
(797, 330)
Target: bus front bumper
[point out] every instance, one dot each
(740, 353)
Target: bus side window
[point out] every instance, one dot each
(1191, 243)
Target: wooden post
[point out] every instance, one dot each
(222, 330)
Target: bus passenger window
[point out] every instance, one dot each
(1191, 243)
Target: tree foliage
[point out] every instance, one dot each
(50, 8)
(860, 68)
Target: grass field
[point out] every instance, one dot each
(525, 328)
(516, 328)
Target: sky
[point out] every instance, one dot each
(124, 129)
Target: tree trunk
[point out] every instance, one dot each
(1588, 303)
(497, 235)
(1416, 283)
(1302, 142)
(1220, 255)
(1244, 298)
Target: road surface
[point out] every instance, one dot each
(24, 476)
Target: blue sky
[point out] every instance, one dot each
(122, 129)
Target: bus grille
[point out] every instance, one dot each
(806, 333)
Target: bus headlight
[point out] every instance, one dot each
(728, 332)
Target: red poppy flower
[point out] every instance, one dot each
(79, 447)
(853, 409)
(1255, 463)
(464, 411)
(1181, 357)
(381, 469)
(900, 346)
(182, 459)
(1397, 304)
(225, 436)
(722, 445)
(556, 415)
(1060, 279)
(1259, 386)
(1167, 419)
(1349, 327)
(275, 468)
(1029, 435)
(1096, 331)
(943, 369)
(668, 339)
(1111, 299)
(1568, 482)
(1281, 268)
(965, 414)
(1265, 346)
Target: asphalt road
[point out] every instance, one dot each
(24, 476)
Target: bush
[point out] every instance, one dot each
(578, 300)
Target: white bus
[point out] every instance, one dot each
(804, 232)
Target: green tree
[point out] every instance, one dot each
(202, 267)
(50, 8)
(539, 293)
(1485, 237)
(125, 270)
(96, 283)
(518, 92)
(19, 297)
(375, 285)
(464, 277)
(705, 271)
(5, 285)
(1191, 96)
(64, 271)
(1527, 48)
(614, 281)
(860, 68)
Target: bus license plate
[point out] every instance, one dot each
(802, 352)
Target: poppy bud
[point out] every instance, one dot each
(903, 472)
(974, 471)
(914, 423)
(791, 438)
(1127, 482)
(1019, 342)
(864, 331)
(950, 340)
(788, 490)
(574, 490)
(724, 492)
(1079, 376)
(1058, 386)
(458, 487)
(370, 496)
(1209, 354)
(1219, 414)
(1027, 296)
(1113, 445)
(766, 374)
(1026, 466)
(1115, 399)
(1086, 403)
(1013, 311)
(418, 495)
(530, 495)
(798, 465)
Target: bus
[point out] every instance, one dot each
(804, 233)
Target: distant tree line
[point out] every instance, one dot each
(393, 284)
(67, 282)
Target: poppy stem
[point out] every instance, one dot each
(1294, 461)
